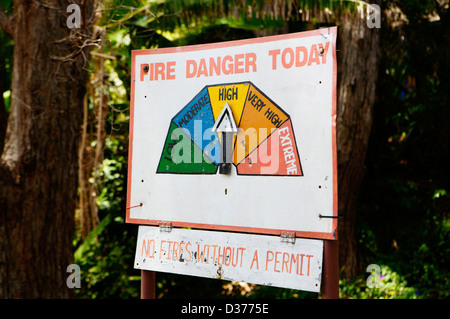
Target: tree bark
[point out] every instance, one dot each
(38, 167)
(358, 57)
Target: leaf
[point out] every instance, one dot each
(90, 239)
(6, 4)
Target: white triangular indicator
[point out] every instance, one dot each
(225, 122)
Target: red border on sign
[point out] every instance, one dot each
(305, 234)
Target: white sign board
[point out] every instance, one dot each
(258, 259)
(281, 92)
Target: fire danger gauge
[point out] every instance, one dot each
(231, 123)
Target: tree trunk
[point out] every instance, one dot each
(38, 167)
(358, 47)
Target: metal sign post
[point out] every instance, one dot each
(330, 275)
(148, 284)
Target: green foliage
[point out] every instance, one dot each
(404, 202)
(267, 292)
(391, 286)
(105, 265)
(402, 220)
(6, 53)
(106, 256)
(6, 5)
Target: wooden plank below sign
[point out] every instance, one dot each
(258, 259)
